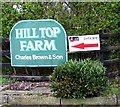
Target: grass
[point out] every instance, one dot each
(113, 88)
(6, 80)
(112, 91)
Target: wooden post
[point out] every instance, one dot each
(104, 54)
(33, 70)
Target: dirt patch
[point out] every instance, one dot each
(34, 87)
(26, 85)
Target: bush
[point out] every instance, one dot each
(79, 79)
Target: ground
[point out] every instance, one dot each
(23, 92)
(38, 87)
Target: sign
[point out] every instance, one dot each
(36, 43)
(84, 43)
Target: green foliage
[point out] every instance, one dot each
(78, 18)
(79, 79)
(6, 80)
(6, 70)
(113, 87)
(23, 11)
(89, 18)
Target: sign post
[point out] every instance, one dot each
(84, 43)
(36, 43)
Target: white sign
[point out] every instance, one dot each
(84, 43)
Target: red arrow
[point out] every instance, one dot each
(82, 45)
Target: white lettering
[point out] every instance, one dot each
(56, 31)
(49, 32)
(37, 45)
(25, 57)
(19, 33)
(49, 46)
(35, 57)
(57, 56)
(22, 45)
(26, 33)
(30, 46)
(42, 32)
